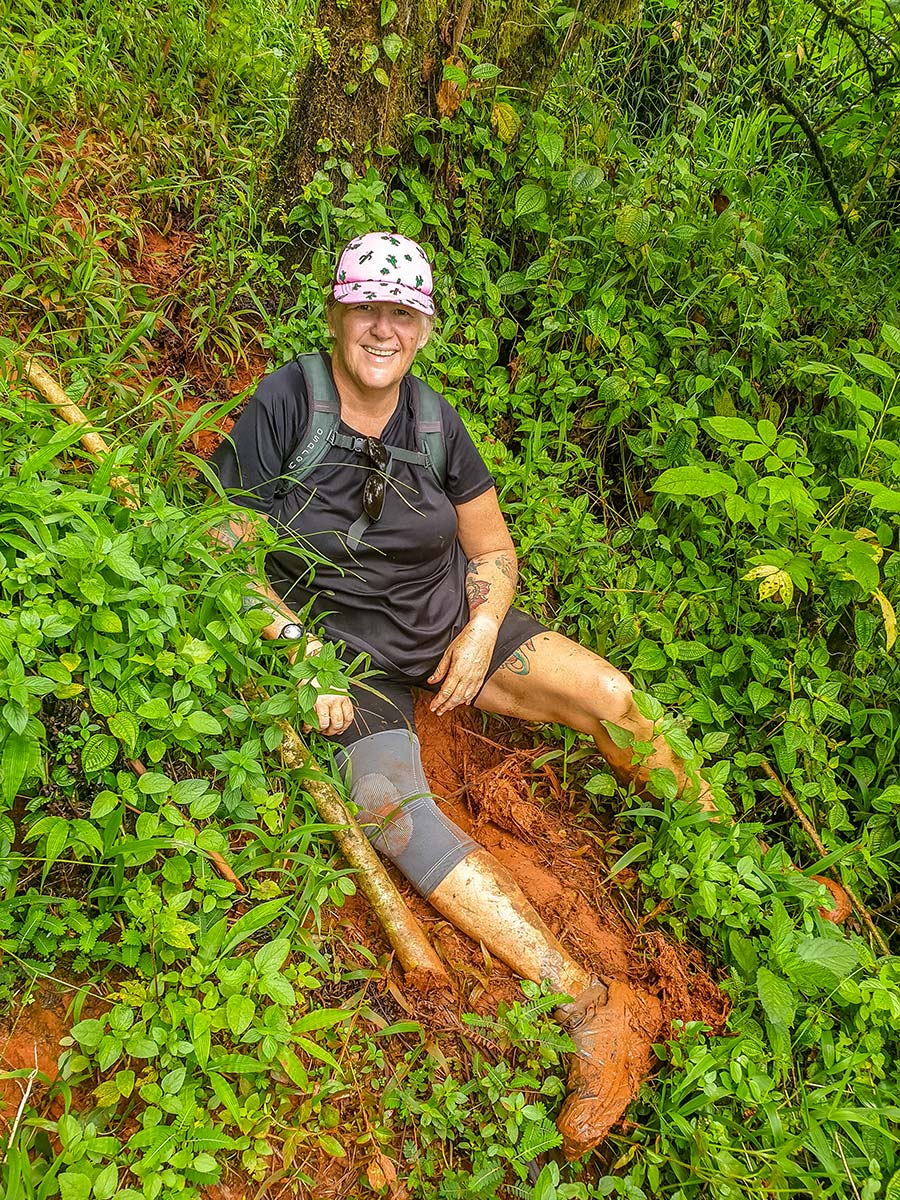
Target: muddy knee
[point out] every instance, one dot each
(397, 811)
(613, 694)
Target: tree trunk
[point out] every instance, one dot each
(354, 111)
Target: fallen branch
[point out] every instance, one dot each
(73, 415)
(812, 833)
(422, 966)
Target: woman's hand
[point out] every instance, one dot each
(334, 713)
(464, 664)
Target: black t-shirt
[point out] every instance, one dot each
(399, 594)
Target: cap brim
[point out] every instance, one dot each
(382, 290)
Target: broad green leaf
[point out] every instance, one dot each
(320, 1018)
(240, 1011)
(106, 621)
(106, 1182)
(506, 121)
(584, 180)
(632, 227)
(278, 989)
(21, 753)
(98, 753)
(154, 783)
(250, 923)
(875, 365)
(694, 481)
(392, 44)
(531, 199)
(777, 998)
(270, 958)
(731, 429)
(890, 335)
(74, 1186)
(836, 955)
(126, 728)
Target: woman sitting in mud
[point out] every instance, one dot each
(361, 464)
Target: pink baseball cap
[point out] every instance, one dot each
(384, 266)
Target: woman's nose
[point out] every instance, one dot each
(382, 326)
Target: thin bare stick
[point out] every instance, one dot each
(73, 415)
(812, 833)
(21, 1109)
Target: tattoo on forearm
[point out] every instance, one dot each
(477, 592)
(506, 566)
(518, 662)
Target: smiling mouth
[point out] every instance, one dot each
(381, 355)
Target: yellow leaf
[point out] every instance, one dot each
(871, 539)
(889, 617)
(506, 121)
(761, 572)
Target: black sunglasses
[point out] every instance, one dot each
(376, 481)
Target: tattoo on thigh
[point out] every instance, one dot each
(477, 591)
(518, 662)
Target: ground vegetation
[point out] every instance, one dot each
(669, 316)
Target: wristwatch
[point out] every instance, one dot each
(292, 632)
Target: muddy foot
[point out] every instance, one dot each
(613, 1031)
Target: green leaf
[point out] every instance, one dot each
(74, 1186)
(584, 180)
(694, 481)
(104, 803)
(126, 728)
(392, 44)
(632, 227)
(320, 1018)
(875, 365)
(98, 753)
(890, 335)
(203, 722)
(88, 1033)
(21, 753)
(381, 76)
(777, 998)
(106, 1182)
(204, 806)
(240, 1011)
(106, 621)
(154, 783)
(270, 958)
(278, 989)
(839, 957)
(250, 923)
(485, 70)
(531, 199)
(331, 1145)
(731, 429)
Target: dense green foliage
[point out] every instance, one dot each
(682, 372)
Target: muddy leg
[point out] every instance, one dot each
(481, 897)
(551, 678)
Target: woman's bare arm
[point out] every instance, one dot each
(237, 528)
(333, 712)
(490, 586)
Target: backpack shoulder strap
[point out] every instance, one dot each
(324, 416)
(430, 428)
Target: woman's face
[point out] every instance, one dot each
(375, 342)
